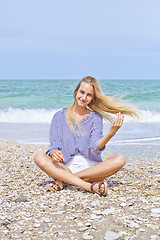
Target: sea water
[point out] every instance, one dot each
(27, 108)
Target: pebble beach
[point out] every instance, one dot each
(131, 210)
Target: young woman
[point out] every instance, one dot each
(76, 140)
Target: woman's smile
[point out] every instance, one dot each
(81, 100)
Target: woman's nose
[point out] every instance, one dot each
(84, 97)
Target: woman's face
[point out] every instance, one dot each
(85, 94)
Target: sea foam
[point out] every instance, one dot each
(17, 115)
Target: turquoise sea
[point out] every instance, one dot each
(27, 107)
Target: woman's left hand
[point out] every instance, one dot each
(117, 123)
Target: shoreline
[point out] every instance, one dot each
(130, 151)
(130, 134)
(29, 211)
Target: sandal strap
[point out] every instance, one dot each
(58, 187)
(92, 185)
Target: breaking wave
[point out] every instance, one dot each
(17, 115)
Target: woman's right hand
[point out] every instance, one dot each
(57, 155)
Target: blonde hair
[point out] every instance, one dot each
(101, 104)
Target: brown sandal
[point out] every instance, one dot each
(100, 192)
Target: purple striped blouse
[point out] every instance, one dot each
(83, 142)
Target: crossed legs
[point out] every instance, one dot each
(83, 178)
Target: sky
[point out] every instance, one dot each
(108, 39)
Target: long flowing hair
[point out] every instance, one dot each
(102, 104)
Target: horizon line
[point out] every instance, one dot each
(50, 79)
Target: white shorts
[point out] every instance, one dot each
(79, 163)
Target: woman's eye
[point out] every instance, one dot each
(81, 91)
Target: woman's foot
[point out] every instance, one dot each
(55, 185)
(99, 187)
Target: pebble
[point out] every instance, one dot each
(46, 220)
(94, 217)
(123, 204)
(109, 235)
(87, 224)
(29, 211)
(133, 225)
(20, 198)
(110, 210)
(153, 237)
(95, 203)
(83, 229)
(142, 230)
(155, 212)
(156, 215)
(87, 236)
(97, 212)
(37, 225)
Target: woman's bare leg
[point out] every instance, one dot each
(83, 178)
(57, 184)
(103, 169)
(59, 171)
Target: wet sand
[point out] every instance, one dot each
(29, 211)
